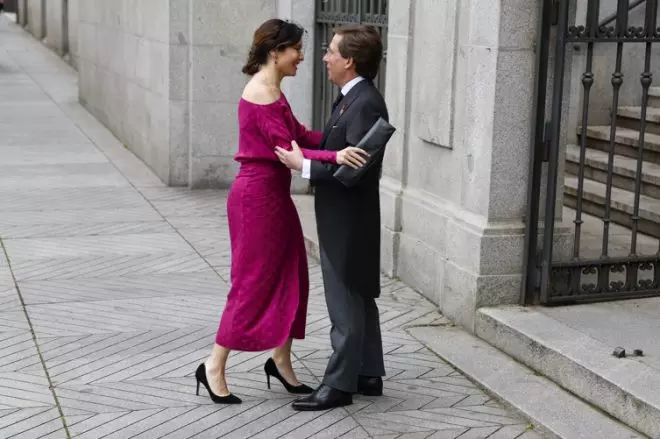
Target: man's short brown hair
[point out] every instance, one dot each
(363, 43)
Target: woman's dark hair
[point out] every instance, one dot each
(274, 34)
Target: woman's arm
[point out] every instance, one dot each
(307, 138)
(276, 130)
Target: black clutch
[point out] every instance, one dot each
(374, 143)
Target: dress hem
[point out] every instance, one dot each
(259, 349)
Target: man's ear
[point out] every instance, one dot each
(350, 62)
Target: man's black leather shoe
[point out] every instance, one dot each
(323, 398)
(370, 386)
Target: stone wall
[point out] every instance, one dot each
(124, 66)
(72, 34)
(165, 75)
(36, 18)
(175, 92)
(22, 12)
(57, 20)
(213, 38)
(456, 171)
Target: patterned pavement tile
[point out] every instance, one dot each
(120, 283)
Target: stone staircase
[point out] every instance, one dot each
(572, 347)
(624, 169)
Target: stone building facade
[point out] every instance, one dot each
(455, 179)
(164, 76)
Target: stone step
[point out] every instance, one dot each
(627, 389)
(553, 411)
(624, 170)
(654, 96)
(626, 142)
(621, 203)
(630, 117)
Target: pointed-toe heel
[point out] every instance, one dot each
(200, 376)
(271, 371)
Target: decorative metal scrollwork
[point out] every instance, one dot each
(607, 277)
(338, 17)
(606, 32)
(617, 285)
(591, 269)
(375, 19)
(645, 284)
(560, 282)
(618, 268)
(635, 32)
(577, 31)
(646, 266)
(591, 287)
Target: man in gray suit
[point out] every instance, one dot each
(348, 224)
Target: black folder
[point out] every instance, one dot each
(374, 143)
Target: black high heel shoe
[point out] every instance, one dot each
(200, 375)
(271, 371)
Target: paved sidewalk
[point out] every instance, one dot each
(113, 288)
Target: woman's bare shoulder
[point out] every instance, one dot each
(260, 94)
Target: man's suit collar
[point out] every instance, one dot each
(350, 84)
(348, 100)
(343, 105)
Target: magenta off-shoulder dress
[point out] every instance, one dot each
(267, 302)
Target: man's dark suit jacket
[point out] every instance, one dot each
(348, 219)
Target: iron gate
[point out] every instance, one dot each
(331, 14)
(592, 267)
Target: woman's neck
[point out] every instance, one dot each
(270, 77)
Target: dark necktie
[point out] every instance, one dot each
(337, 101)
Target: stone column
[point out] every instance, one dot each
(494, 91)
(57, 19)
(397, 96)
(456, 173)
(22, 12)
(72, 25)
(36, 18)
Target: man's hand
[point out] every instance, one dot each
(292, 159)
(352, 156)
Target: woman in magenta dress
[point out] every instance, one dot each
(267, 305)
